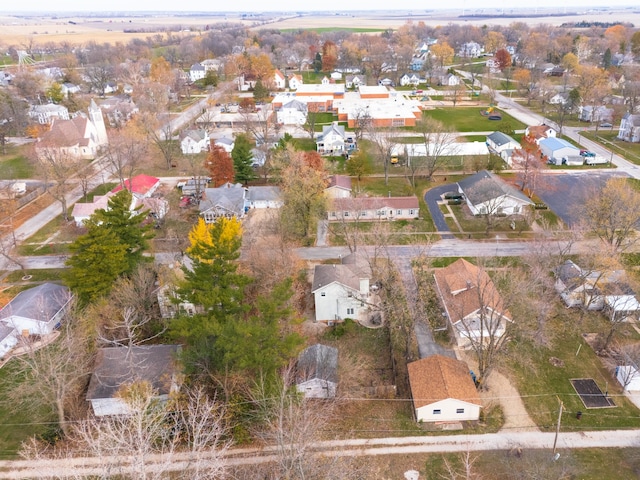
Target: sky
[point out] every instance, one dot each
(46, 6)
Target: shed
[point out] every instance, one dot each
(317, 371)
(629, 378)
(557, 148)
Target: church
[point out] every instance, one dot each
(81, 137)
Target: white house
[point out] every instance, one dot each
(38, 310)
(498, 142)
(629, 130)
(118, 367)
(194, 141)
(355, 81)
(487, 194)
(409, 79)
(591, 113)
(8, 339)
(197, 72)
(561, 98)
(82, 211)
(335, 75)
(263, 197)
(332, 140)
(470, 50)
(472, 303)
(293, 112)
(44, 114)
(442, 390)
(227, 143)
(340, 291)
(339, 187)
(555, 149)
(317, 371)
(279, 80)
(629, 377)
(539, 132)
(369, 209)
(295, 81)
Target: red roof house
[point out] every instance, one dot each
(141, 186)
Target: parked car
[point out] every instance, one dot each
(453, 196)
(606, 125)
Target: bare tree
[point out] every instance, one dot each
(55, 375)
(383, 144)
(362, 122)
(528, 164)
(312, 120)
(465, 472)
(439, 142)
(99, 77)
(123, 154)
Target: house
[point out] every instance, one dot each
(332, 140)
(629, 130)
(341, 291)
(590, 289)
(561, 98)
(355, 81)
(279, 80)
(195, 186)
(629, 377)
(373, 209)
(539, 132)
(487, 194)
(118, 367)
(339, 187)
(263, 197)
(226, 143)
(386, 82)
(295, 80)
(38, 310)
(197, 72)
(476, 312)
(81, 137)
(555, 149)
(118, 109)
(442, 390)
(470, 50)
(69, 88)
(317, 371)
(499, 142)
(44, 114)
(335, 76)
(449, 79)
(141, 186)
(82, 211)
(227, 200)
(211, 65)
(621, 308)
(194, 141)
(8, 339)
(591, 113)
(293, 112)
(409, 79)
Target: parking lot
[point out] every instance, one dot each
(565, 194)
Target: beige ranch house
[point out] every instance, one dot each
(374, 208)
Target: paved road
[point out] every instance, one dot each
(179, 462)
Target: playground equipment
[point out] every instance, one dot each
(491, 113)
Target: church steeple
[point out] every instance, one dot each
(96, 118)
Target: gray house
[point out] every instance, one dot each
(117, 367)
(227, 200)
(317, 371)
(37, 311)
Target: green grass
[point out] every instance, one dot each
(15, 426)
(15, 165)
(305, 144)
(40, 275)
(608, 139)
(397, 187)
(464, 119)
(542, 384)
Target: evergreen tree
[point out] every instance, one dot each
(243, 159)
(317, 63)
(99, 258)
(606, 59)
(260, 92)
(128, 226)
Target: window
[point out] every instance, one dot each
(350, 311)
(323, 294)
(398, 212)
(346, 214)
(459, 410)
(411, 212)
(436, 412)
(333, 214)
(516, 209)
(363, 213)
(349, 294)
(380, 213)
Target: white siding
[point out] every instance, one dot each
(317, 388)
(449, 411)
(34, 327)
(336, 303)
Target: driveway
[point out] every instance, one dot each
(431, 198)
(565, 194)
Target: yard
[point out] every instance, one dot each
(463, 119)
(15, 164)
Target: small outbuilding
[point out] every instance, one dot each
(317, 371)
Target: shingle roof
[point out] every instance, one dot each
(5, 331)
(373, 203)
(66, 133)
(484, 186)
(325, 274)
(500, 138)
(465, 288)
(39, 303)
(229, 197)
(118, 366)
(438, 378)
(317, 361)
(340, 181)
(263, 193)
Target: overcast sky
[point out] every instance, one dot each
(282, 5)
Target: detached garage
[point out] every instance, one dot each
(629, 378)
(442, 390)
(557, 148)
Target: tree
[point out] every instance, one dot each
(13, 117)
(439, 142)
(127, 224)
(502, 59)
(358, 165)
(54, 376)
(443, 53)
(99, 76)
(494, 41)
(383, 144)
(303, 194)
(528, 164)
(98, 259)
(610, 212)
(243, 159)
(312, 119)
(124, 153)
(317, 62)
(220, 166)
(635, 44)
(260, 92)
(54, 93)
(329, 56)
(362, 122)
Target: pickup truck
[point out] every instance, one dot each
(591, 158)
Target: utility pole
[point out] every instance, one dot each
(555, 440)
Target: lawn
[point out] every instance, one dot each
(40, 275)
(15, 165)
(608, 139)
(542, 385)
(15, 426)
(464, 119)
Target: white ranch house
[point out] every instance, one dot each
(486, 194)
